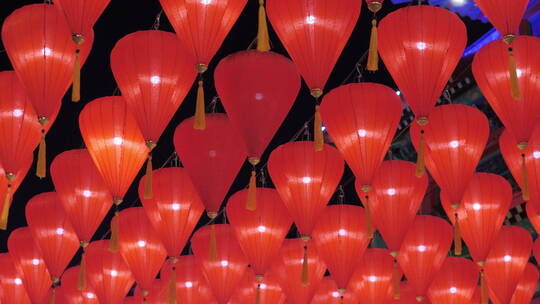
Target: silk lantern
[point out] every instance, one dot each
(454, 283)
(212, 157)
(220, 258)
(526, 286)
(8, 188)
(328, 293)
(423, 251)
(28, 261)
(11, 283)
(251, 290)
(69, 293)
(341, 238)
(506, 262)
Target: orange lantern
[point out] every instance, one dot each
(423, 251)
(11, 283)
(526, 286)
(69, 293)
(212, 157)
(533, 215)
(290, 267)
(341, 238)
(27, 259)
(251, 290)
(140, 247)
(261, 232)
(506, 262)
(427, 42)
(220, 258)
(7, 188)
(107, 273)
(329, 293)
(305, 179)
(455, 282)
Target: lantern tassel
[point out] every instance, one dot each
(263, 40)
(41, 166)
(514, 83)
(421, 156)
(148, 178)
(53, 296)
(373, 57)
(213, 244)
(396, 279)
(81, 279)
(483, 288)
(200, 121)
(171, 290)
(305, 268)
(251, 202)
(525, 179)
(5, 209)
(258, 294)
(457, 237)
(76, 88)
(369, 220)
(318, 134)
(341, 300)
(113, 243)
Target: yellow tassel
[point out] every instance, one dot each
(76, 88)
(369, 220)
(5, 209)
(258, 294)
(305, 268)
(251, 202)
(53, 296)
(113, 243)
(373, 57)
(421, 155)
(525, 186)
(483, 289)
(81, 279)
(514, 83)
(171, 296)
(263, 40)
(148, 178)
(41, 167)
(457, 237)
(319, 139)
(213, 244)
(200, 121)
(396, 280)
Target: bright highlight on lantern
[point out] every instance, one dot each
(421, 248)
(175, 206)
(18, 281)
(188, 284)
(372, 278)
(476, 206)
(507, 258)
(536, 154)
(46, 51)
(310, 19)
(453, 289)
(141, 243)
(342, 232)
(87, 193)
(335, 294)
(362, 133)
(90, 295)
(35, 262)
(259, 96)
(391, 191)
(206, 2)
(421, 45)
(114, 273)
(118, 141)
(17, 112)
(263, 286)
(155, 79)
(59, 231)
(454, 144)
(224, 263)
(261, 228)
(306, 180)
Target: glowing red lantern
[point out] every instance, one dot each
(212, 157)
(427, 42)
(341, 238)
(11, 283)
(504, 16)
(107, 273)
(140, 247)
(526, 286)
(455, 282)
(249, 291)
(305, 179)
(114, 141)
(423, 251)
(69, 293)
(7, 188)
(220, 258)
(506, 262)
(329, 293)
(261, 232)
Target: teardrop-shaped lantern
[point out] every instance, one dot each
(329, 293)
(52, 231)
(397, 195)
(225, 270)
(307, 28)
(251, 290)
(174, 209)
(11, 283)
(289, 269)
(454, 283)
(114, 141)
(341, 238)
(261, 232)
(107, 273)
(154, 87)
(212, 157)
(526, 286)
(257, 90)
(8, 188)
(506, 262)
(27, 259)
(423, 251)
(505, 16)
(140, 246)
(305, 179)
(421, 46)
(68, 292)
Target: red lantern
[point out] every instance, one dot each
(504, 16)
(305, 179)
(27, 259)
(526, 286)
(341, 238)
(68, 292)
(261, 232)
(421, 46)
(174, 209)
(11, 283)
(257, 90)
(307, 28)
(81, 15)
(506, 262)
(397, 195)
(455, 282)
(114, 141)
(249, 291)
(7, 188)
(52, 232)
(289, 269)
(212, 157)
(329, 293)
(533, 215)
(156, 85)
(220, 258)
(107, 273)
(423, 251)
(140, 246)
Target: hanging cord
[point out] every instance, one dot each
(157, 21)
